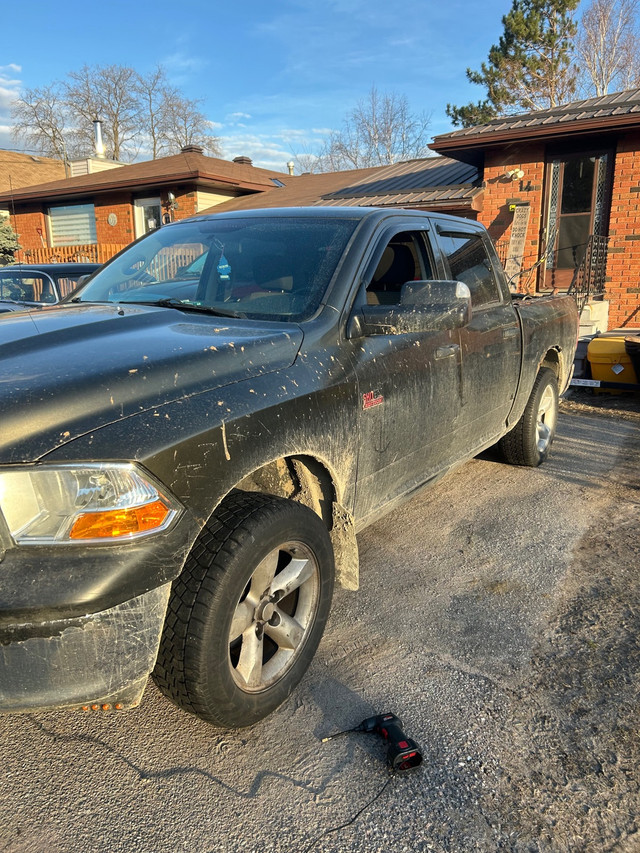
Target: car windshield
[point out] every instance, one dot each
(275, 269)
(26, 286)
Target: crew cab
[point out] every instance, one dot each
(186, 458)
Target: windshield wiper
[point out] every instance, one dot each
(172, 302)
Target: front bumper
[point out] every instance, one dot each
(101, 659)
(81, 625)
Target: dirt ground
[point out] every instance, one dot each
(573, 754)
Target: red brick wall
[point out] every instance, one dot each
(31, 217)
(501, 191)
(26, 223)
(123, 231)
(186, 199)
(623, 265)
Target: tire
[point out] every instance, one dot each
(247, 613)
(529, 442)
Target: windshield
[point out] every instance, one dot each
(26, 286)
(277, 268)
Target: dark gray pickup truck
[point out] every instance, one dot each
(189, 446)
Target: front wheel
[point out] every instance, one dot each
(248, 611)
(529, 442)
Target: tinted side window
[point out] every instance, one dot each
(469, 262)
(403, 259)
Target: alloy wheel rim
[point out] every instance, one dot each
(545, 419)
(273, 617)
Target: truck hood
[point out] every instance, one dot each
(69, 370)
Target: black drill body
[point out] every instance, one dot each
(403, 753)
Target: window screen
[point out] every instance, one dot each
(73, 225)
(468, 262)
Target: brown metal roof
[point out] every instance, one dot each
(616, 111)
(22, 170)
(445, 197)
(180, 168)
(414, 176)
(433, 182)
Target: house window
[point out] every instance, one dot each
(148, 215)
(72, 225)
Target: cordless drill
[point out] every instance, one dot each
(402, 752)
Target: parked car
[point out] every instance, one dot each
(30, 286)
(184, 464)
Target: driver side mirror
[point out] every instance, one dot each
(425, 306)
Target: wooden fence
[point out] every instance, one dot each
(93, 253)
(163, 267)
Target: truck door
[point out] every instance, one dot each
(490, 345)
(408, 383)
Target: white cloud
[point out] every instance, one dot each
(6, 70)
(9, 87)
(238, 116)
(265, 150)
(9, 92)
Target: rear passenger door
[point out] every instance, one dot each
(490, 345)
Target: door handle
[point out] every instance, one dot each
(446, 352)
(510, 333)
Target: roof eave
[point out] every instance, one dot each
(196, 177)
(528, 134)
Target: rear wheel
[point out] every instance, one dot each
(529, 442)
(248, 611)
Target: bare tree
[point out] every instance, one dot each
(608, 46)
(151, 91)
(183, 123)
(39, 119)
(138, 113)
(305, 161)
(379, 130)
(106, 92)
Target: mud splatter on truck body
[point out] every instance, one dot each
(320, 367)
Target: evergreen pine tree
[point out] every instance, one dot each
(530, 67)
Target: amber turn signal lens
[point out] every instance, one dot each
(115, 523)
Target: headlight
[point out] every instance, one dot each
(83, 503)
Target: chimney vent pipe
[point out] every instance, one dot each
(97, 129)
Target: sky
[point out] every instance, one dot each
(273, 76)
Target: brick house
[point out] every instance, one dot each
(557, 189)
(561, 188)
(93, 215)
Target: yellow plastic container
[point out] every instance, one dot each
(609, 360)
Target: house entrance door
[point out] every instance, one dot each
(148, 215)
(577, 202)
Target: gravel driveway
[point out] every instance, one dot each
(498, 616)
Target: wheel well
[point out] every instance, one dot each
(308, 481)
(299, 478)
(552, 360)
